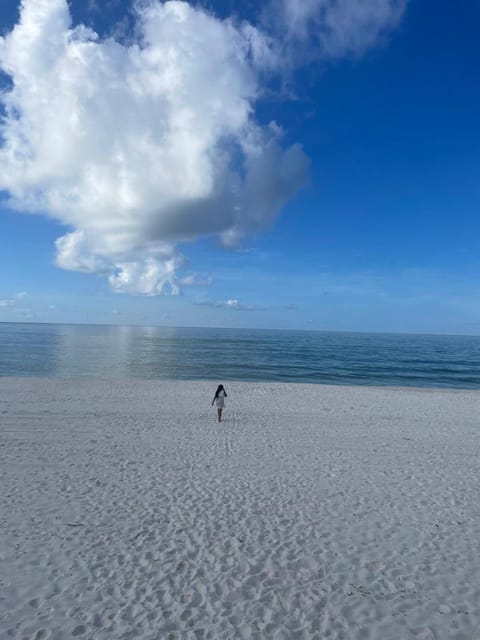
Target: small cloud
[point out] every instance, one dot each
(11, 302)
(52, 307)
(231, 303)
(326, 29)
(92, 6)
(195, 280)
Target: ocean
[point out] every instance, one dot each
(60, 350)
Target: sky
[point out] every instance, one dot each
(286, 164)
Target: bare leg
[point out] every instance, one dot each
(219, 411)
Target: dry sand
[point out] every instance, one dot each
(127, 512)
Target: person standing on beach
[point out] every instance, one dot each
(219, 400)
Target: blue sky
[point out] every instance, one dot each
(381, 233)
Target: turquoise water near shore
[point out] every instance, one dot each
(53, 350)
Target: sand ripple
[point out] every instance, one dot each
(127, 512)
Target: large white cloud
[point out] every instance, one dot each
(135, 148)
(139, 147)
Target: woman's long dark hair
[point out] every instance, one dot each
(220, 388)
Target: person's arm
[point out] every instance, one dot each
(213, 400)
(225, 393)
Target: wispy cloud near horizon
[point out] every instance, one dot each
(11, 302)
(232, 304)
(13, 305)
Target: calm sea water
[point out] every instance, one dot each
(239, 354)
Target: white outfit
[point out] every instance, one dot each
(220, 400)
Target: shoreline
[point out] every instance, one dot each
(212, 381)
(312, 511)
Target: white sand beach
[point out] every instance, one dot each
(128, 512)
